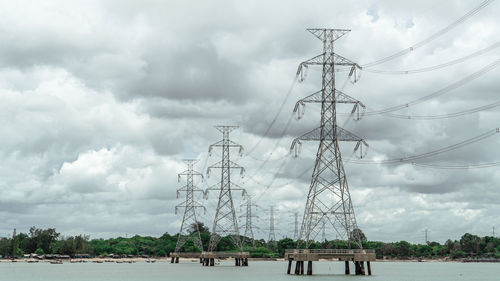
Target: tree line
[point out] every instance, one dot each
(49, 241)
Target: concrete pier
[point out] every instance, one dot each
(174, 256)
(357, 256)
(240, 258)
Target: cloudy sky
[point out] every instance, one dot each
(101, 101)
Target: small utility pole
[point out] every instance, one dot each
(426, 240)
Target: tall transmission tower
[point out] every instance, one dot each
(328, 197)
(296, 224)
(225, 222)
(248, 218)
(272, 237)
(190, 205)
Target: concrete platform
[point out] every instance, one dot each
(240, 258)
(357, 256)
(185, 255)
(330, 254)
(224, 255)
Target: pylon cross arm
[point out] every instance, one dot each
(327, 133)
(317, 97)
(320, 60)
(320, 33)
(190, 173)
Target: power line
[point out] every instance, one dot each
(440, 92)
(275, 117)
(435, 67)
(431, 153)
(458, 167)
(443, 116)
(432, 37)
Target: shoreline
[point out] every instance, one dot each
(167, 259)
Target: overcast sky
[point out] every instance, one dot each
(101, 101)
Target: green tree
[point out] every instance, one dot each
(470, 243)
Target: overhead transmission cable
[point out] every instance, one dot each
(440, 92)
(431, 153)
(283, 132)
(444, 116)
(275, 117)
(458, 167)
(431, 68)
(432, 37)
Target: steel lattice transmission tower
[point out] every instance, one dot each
(225, 222)
(328, 197)
(248, 218)
(296, 228)
(272, 237)
(190, 206)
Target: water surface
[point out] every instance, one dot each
(257, 270)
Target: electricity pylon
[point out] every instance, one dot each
(225, 222)
(328, 197)
(296, 228)
(187, 233)
(323, 232)
(248, 218)
(272, 237)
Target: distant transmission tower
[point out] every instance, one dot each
(272, 237)
(328, 197)
(248, 218)
(14, 243)
(296, 228)
(189, 220)
(323, 232)
(225, 222)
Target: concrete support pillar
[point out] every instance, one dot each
(309, 267)
(347, 271)
(362, 268)
(201, 260)
(289, 267)
(297, 267)
(357, 268)
(301, 267)
(369, 268)
(246, 262)
(212, 261)
(172, 260)
(176, 259)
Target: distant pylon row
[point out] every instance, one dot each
(225, 222)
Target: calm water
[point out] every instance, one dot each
(261, 271)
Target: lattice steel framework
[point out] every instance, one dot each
(190, 205)
(272, 237)
(225, 222)
(248, 218)
(328, 197)
(296, 226)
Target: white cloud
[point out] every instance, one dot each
(101, 100)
